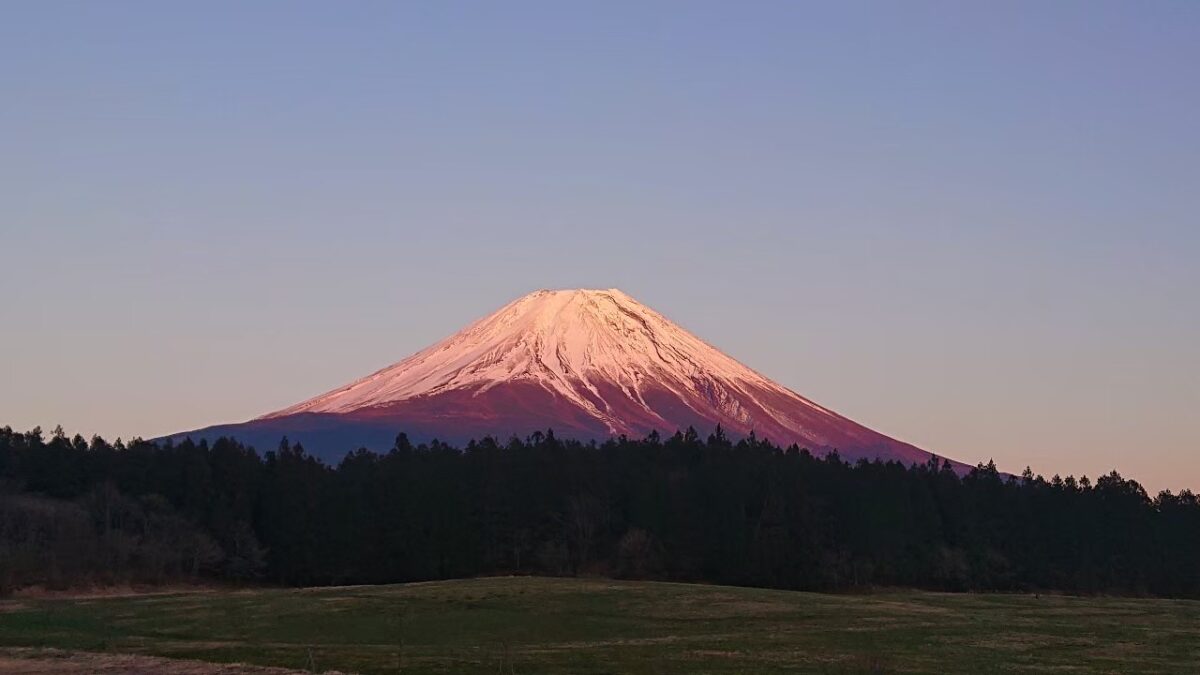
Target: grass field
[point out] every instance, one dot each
(535, 625)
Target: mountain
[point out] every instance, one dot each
(585, 363)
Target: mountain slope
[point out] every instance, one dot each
(587, 363)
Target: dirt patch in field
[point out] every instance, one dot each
(54, 661)
(117, 591)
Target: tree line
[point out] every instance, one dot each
(687, 508)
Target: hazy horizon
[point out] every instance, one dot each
(973, 229)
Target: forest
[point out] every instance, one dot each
(77, 512)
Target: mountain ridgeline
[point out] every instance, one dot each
(590, 364)
(683, 508)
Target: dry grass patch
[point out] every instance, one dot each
(60, 662)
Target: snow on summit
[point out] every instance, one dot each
(585, 363)
(567, 341)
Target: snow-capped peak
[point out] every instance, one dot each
(579, 344)
(587, 364)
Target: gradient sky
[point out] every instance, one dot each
(972, 226)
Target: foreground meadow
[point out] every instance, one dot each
(540, 625)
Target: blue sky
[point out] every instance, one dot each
(972, 226)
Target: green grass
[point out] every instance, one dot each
(534, 625)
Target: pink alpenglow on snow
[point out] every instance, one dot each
(585, 363)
